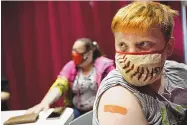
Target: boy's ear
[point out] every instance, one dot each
(170, 46)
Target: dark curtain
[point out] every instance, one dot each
(37, 38)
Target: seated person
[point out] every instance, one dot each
(81, 77)
(5, 95)
(145, 88)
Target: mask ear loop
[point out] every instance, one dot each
(95, 46)
(165, 46)
(84, 56)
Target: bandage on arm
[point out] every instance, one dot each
(118, 106)
(115, 109)
(59, 87)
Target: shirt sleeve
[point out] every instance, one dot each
(62, 81)
(4, 84)
(67, 70)
(61, 84)
(176, 71)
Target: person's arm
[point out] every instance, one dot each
(118, 106)
(59, 87)
(5, 96)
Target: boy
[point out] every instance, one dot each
(145, 88)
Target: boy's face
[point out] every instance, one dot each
(139, 42)
(140, 57)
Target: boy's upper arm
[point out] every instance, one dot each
(118, 106)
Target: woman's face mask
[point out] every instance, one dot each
(140, 69)
(78, 58)
(81, 59)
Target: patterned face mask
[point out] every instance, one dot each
(140, 69)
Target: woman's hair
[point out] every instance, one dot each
(91, 45)
(142, 16)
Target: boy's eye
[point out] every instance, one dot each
(123, 46)
(145, 45)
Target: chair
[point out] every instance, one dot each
(85, 119)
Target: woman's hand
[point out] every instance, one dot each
(38, 108)
(52, 95)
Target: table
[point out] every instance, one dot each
(64, 119)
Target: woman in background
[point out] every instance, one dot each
(81, 76)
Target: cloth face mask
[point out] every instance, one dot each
(140, 69)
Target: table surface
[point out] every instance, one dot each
(66, 117)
